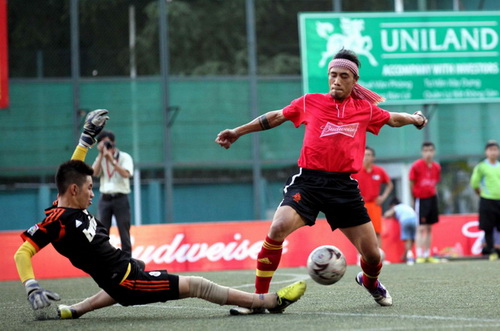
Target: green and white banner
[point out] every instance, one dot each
(409, 58)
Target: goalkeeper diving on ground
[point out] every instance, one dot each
(80, 237)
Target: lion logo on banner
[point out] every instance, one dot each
(351, 38)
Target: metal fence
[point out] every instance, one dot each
(173, 73)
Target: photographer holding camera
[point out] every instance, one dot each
(114, 167)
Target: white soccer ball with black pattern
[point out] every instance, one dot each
(326, 265)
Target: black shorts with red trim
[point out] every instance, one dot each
(143, 287)
(427, 210)
(335, 194)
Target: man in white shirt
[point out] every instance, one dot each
(114, 167)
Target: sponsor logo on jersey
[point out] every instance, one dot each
(78, 223)
(347, 129)
(428, 182)
(33, 229)
(154, 273)
(90, 232)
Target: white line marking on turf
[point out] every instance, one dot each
(483, 323)
(430, 327)
(427, 317)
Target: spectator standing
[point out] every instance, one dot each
(425, 174)
(114, 168)
(370, 179)
(485, 181)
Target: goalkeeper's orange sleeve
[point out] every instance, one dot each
(80, 153)
(23, 261)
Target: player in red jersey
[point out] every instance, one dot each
(370, 178)
(333, 148)
(78, 236)
(425, 174)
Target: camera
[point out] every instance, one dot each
(108, 144)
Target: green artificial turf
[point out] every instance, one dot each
(459, 295)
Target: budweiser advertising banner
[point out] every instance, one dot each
(235, 245)
(4, 72)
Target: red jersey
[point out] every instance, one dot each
(425, 178)
(335, 135)
(370, 182)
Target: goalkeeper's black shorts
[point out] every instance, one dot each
(143, 287)
(335, 194)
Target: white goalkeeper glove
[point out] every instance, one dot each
(94, 123)
(39, 297)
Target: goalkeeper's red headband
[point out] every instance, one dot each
(358, 92)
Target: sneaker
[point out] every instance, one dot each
(410, 259)
(246, 311)
(380, 294)
(431, 259)
(288, 295)
(420, 260)
(66, 312)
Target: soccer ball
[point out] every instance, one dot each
(326, 265)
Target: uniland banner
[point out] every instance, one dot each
(235, 245)
(409, 58)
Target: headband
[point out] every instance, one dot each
(344, 63)
(358, 91)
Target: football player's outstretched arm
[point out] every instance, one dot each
(264, 122)
(401, 119)
(37, 296)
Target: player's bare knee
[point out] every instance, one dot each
(281, 228)
(372, 256)
(202, 288)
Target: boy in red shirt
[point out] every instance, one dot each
(425, 173)
(333, 148)
(370, 179)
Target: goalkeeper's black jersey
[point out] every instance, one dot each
(77, 235)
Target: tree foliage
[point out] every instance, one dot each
(206, 37)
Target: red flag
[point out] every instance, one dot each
(4, 66)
